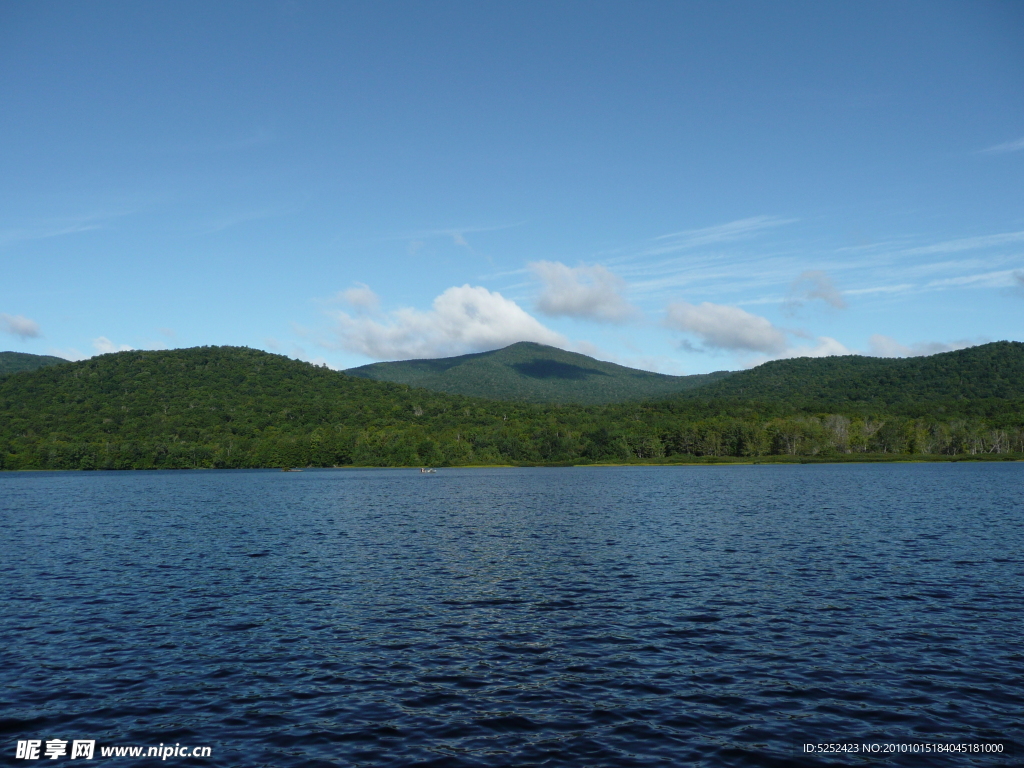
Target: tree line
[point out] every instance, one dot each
(240, 408)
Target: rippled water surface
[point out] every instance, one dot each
(516, 617)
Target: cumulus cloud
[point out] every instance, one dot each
(815, 284)
(19, 325)
(886, 346)
(823, 346)
(70, 353)
(462, 319)
(104, 346)
(724, 327)
(591, 293)
(361, 297)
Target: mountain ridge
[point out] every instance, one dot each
(533, 373)
(235, 407)
(16, 362)
(993, 371)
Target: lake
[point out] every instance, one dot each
(629, 616)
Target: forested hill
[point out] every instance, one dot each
(963, 381)
(237, 407)
(15, 362)
(533, 373)
(202, 392)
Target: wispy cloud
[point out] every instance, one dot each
(901, 288)
(455, 233)
(688, 239)
(237, 218)
(966, 244)
(1000, 279)
(812, 285)
(759, 269)
(1009, 146)
(361, 297)
(52, 228)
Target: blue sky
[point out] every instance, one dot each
(681, 187)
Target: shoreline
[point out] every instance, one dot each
(696, 461)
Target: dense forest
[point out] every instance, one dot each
(14, 362)
(966, 381)
(238, 407)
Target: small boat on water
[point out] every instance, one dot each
(290, 469)
(427, 471)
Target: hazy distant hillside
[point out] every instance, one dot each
(905, 385)
(14, 362)
(533, 373)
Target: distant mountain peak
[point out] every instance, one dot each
(527, 371)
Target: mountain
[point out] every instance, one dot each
(533, 373)
(236, 407)
(15, 362)
(213, 406)
(916, 385)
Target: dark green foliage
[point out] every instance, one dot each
(962, 381)
(237, 407)
(15, 362)
(533, 373)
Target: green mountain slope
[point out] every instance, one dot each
(15, 362)
(237, 407)
(949, 380)
(534, 373)
(199, 393)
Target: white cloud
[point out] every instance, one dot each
(823, 346)
(463, 319)
(299, 353)
(361, 297)
(104, 346)
(591, 293)
(886, 346)
(19, 325)
(725, 327)
(70, 353)
(815, 284)
(1009, 146)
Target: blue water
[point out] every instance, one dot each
(516, 617)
